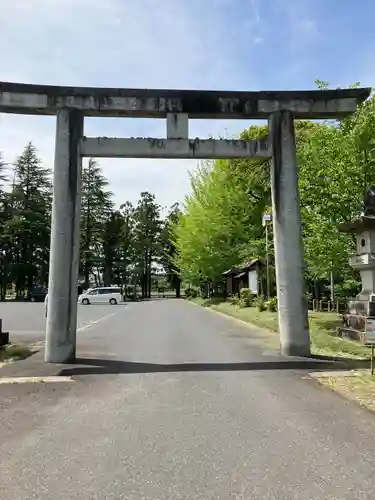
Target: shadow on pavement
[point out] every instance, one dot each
(89, 366)
(345, 363)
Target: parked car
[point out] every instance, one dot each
(37, 294)
(79, 289)
(101, 295)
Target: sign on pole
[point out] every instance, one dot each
(370, 331)
(370, 339)
(266, 218)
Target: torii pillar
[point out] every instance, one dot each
(61, 324)
(292, 304)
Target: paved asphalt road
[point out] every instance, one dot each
(172, 402)
(26, 320)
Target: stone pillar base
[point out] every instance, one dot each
(361, 308)
(301, 351)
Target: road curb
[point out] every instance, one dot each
(233, 318)
(338, 374)
(33, 366)
(34, 380)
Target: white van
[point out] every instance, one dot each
(103, 295)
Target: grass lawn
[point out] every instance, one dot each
(322, 329)
(13, 352)
(359, 388)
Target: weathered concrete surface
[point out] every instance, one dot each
(156, 103)
(177, 126)
(102, 147)
(292, 304)
(64, 254)
(230, 425)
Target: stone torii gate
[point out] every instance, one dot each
(72, 104)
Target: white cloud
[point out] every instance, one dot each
(215, 44)
(137, 43)
(255, 6)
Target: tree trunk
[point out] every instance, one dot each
(144, 284)
(3, 288)
(149, 275)
(178, 288)
(107, 273)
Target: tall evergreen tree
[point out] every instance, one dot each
(125, 267)
(112, 240)
(169, 249)
(28, 225)
(147, 229)
(96, 207)
(4, 214)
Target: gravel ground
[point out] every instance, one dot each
(171, 402)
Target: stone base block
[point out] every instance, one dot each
(361, 308)
(4, 338)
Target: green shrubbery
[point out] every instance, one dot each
(272, 304)
(190, 293)
(246, 297)
(260, 303)
(234, 300)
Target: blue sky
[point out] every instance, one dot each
(196, 44)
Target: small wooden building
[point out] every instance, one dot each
(248, 275)
(231, 283)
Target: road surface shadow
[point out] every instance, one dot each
(89, 366)
(343, 363)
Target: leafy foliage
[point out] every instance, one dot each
(120, 246)
(221, 221)
(218, 226)
(147, 242)
(169, 249)
(246, 297)
(26, 223)
(96, 208)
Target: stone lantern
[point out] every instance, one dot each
(363, 306)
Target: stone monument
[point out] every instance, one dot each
(362, 307)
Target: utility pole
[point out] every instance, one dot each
(267, 217)
(332, 282)
(332, 288)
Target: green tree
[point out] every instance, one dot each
(96, 207)
(147, 230)
(3, 175)
(125, 266)
(221, 222)
(112, 240)
(27, 228)
(4, 214)
(169, 249)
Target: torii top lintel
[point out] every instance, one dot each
(147, 103)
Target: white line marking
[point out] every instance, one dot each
(34, 380)
(93, 323)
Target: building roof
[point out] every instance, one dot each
(240, 275)
(358, 225)
(232, 270)
(246, 266)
